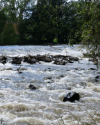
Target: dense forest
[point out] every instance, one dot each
(49, 21)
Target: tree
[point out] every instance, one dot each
(90, 29)
(15, 11)
(8, 36)
(46, 21)
(2, 20)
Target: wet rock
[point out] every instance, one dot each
(69, 88)
(32, 87)
(71, 97)
(3, 59)
(92, 69)
(9, 69)
(62, 76)
(76, 69)
(49, 77)
(57, 59)
(30, 60)
(74, 58)
(16, 60)
(49, 69)
(59, 62)
(25, 59)
(69, 61)
(48, 81)
(43, 58)
(97, 77)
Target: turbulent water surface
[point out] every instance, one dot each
(44, 106)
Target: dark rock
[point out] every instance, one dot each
(59, 62)
(97, 77)
(58, 59)
(25, 59)
(3, 59)
(16, 60)
(76, 69)
(30, 59)
(43, 58)
(69, 61)
(92, 69)
(71, 97)
(32, 87)
(74, 58)
(62, 76)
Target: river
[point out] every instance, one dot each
(44, 106)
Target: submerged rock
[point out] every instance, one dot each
(71, 97)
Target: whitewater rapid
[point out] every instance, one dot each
(44, 106)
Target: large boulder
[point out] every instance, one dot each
(16, 60)
(44, 58)
(71, 97)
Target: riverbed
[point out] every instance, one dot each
(20, 105)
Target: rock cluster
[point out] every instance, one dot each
(57, 59)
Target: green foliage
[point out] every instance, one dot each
(90, 29)
(8, 36)
(51, 19)
(68, 22)
(2, 20)
(55, 40)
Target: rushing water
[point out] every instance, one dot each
(44, 106)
